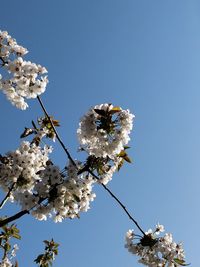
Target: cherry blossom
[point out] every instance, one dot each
(154, 251)
(24, 79)
(104, 130)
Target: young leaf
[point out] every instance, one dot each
(180, 262)
(122, 154)
(55, 123)
(27, 132)
(7, 246)
(100, 112)
(115, 110)
(126, 158)
(120, 164)
(16, 235)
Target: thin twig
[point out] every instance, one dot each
(55, 131)
(95, 176)
(20, 214)
(3, 202)
(118, 201)
(3, 62)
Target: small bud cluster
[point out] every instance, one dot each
(51, 251)
(25, 79)
(8, 232)
(156, 251)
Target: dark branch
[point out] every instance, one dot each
(70, 158)
(55, 131)
(7, 196)
(4, 62)
(119, 202)
(13, 218)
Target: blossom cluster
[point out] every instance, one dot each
(41, 187)
(104, 130)
(21, 166)
(67, 194)
(30, 178)
(25, 79)
(6, 262)
(104, 133)
(156, 251)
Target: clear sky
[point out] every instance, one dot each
(142, 55)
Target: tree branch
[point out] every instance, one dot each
(13, 218)
(7, 196)
(3, 61)
(70, 158)
(55, 131)
(119, 202)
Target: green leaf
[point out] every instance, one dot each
(39, 258)
(55, 123)
(115, 110)
(17, 236)
(100, 112)
(180, 262)
(15, 232)
(126, 158)
(46, 242)
(122, 154)
(120, 164)
(7, 247)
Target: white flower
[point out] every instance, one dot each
(155, 252)
(159, 229)
(22, 168)
(14, 250)
(6, 263)
(64, 195)
(25, 79)
(104, 130)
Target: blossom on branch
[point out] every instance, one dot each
(104, 130)
(21, 167)
(8, 251)
(25, 79)
(66, 194)
(41, 187)
(103, 133)
(155, 251)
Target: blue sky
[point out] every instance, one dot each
(142, 55)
